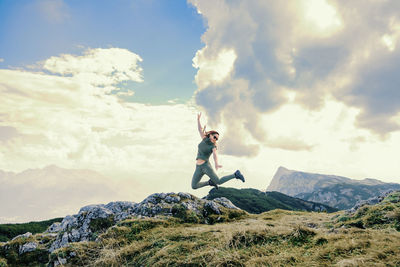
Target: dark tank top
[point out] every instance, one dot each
(205, 149)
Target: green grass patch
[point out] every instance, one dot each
(10, 230)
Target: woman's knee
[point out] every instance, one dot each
(194, 186)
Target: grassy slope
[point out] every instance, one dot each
(255, 201)
(275, 238)
(10, 230)
(370, 237)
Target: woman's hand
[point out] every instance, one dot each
(217, 166)
(198, 116)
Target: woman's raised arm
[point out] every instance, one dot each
(201, 129)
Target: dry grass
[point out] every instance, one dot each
(276, 238)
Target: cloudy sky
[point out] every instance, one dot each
(114, 87)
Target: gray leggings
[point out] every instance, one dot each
(206, 168)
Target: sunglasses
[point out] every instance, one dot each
(215, 137)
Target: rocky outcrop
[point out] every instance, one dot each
(379, 212)
(93, 219)
(371, 201)
(27, 247)
(26, 235)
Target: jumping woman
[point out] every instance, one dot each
(208, 146)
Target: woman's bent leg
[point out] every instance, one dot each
(214, 177)
(226, 178)
(198, 173)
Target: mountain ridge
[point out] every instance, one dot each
(256, 201)
(335, 191)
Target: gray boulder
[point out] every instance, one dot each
(93, 219)
(223, 201)
(90, 219)
(27, 247)
(26, 235)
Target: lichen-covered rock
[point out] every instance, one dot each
(24, 251)
(370, 201)
(212, 206)
(60, 261)
(26, 235)
(225, 202)
(55, 227)
(27, 247)
(89, 220)
(94, 219)
(185, 195)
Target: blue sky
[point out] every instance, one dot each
(166, 34)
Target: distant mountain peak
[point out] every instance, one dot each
(335, 191)
(51, 167)
(282, 169)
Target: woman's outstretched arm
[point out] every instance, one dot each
(215, 156)
(201, 129)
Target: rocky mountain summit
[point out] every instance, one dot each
(93, 220)
(292, 182)
(335, 191)
(165, 233)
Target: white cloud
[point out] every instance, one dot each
(127, 93)
(314, 49)
(1, 59)
(214, 70)
(99, 67)
(321, 16)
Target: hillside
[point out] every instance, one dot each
(255, 201)
(368, 237)
(335, 191)
(10, 230)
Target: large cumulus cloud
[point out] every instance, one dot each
(265, 51)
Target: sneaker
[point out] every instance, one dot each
(210, 182)
(239, 175)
